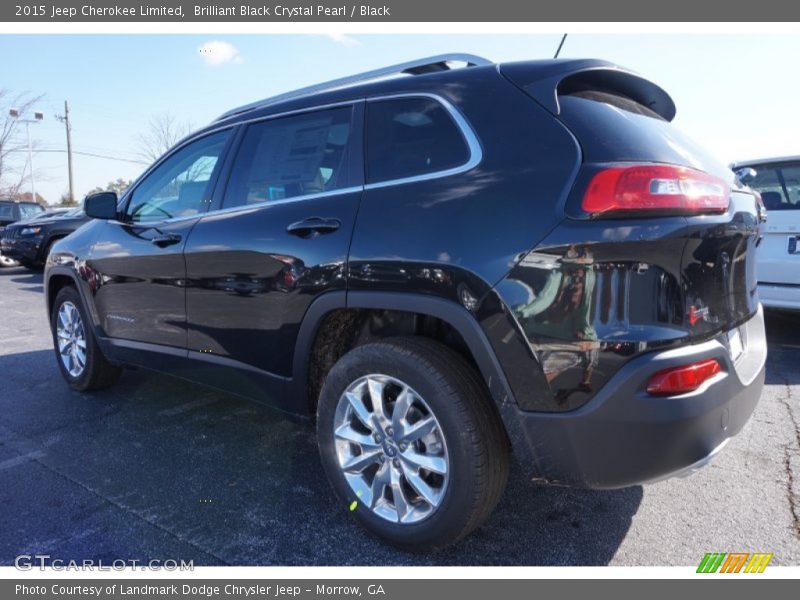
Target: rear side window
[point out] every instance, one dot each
(779, 185)
(292, 156)
(407, 137)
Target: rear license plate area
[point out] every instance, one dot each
(735, 344)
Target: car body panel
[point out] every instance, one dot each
(778, 258)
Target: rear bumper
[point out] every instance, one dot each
(625, 437)
(779, 296)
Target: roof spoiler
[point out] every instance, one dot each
(541, 79)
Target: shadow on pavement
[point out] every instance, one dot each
(159, 468)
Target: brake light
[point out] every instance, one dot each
(680, 380)
(655, 188)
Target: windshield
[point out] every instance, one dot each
(779, 185)
(27, 211)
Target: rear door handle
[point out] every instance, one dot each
(166, 239)
(313, 226)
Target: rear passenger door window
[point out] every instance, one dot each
(410, 137)
(293, 156)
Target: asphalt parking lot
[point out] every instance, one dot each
(156, 468)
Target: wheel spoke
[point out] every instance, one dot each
(346, 432)
(400, 411)
(421, 486)
(360, 410)
(73, 317)
(435, 464)
(81, 343)
(379, 482)
(73, 366)
(62, 318)
(376, 395)
(80, 357)
(401, 504)
(362, 461)
(419, 429)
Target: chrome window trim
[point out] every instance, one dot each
(267, 203)
(206, 132)
(471, 139)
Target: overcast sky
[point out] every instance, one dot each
(736, 94)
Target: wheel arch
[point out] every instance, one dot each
(55, 279)
(447, 311)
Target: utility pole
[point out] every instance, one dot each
(65, 119)
(30, 161)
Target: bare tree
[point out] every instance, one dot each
(12, 145)
(164, 131)
(117, 186)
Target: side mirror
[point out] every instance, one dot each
(102, 205)
(746, 174)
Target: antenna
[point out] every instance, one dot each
(560, 45)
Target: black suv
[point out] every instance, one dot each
(443, 268)
(29, 242)
(12, 211)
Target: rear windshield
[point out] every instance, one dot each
(779, 185)
(613, 128)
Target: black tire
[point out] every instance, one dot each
(6, 262)
(476, 442)
(98, 373)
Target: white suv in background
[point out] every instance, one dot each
(778, 257)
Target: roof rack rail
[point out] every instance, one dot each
(420, 66)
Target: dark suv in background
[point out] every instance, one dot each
(29, 242)
(12, 211)
(443, 268)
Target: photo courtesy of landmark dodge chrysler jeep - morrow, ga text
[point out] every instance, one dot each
(446, 263)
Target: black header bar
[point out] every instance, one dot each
(282, 11)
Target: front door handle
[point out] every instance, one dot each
(313, 226)
(166, 239)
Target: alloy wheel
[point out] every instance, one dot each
(71, 338)
(391, 449)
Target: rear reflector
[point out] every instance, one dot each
(680, 380)
(655, 188)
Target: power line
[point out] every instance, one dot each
(92, 154)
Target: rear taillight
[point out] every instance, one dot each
(664, 189)
(684, 379)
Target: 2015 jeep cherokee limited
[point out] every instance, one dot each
(444, 268)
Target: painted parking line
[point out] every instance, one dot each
(182, 408)
(21, 459)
